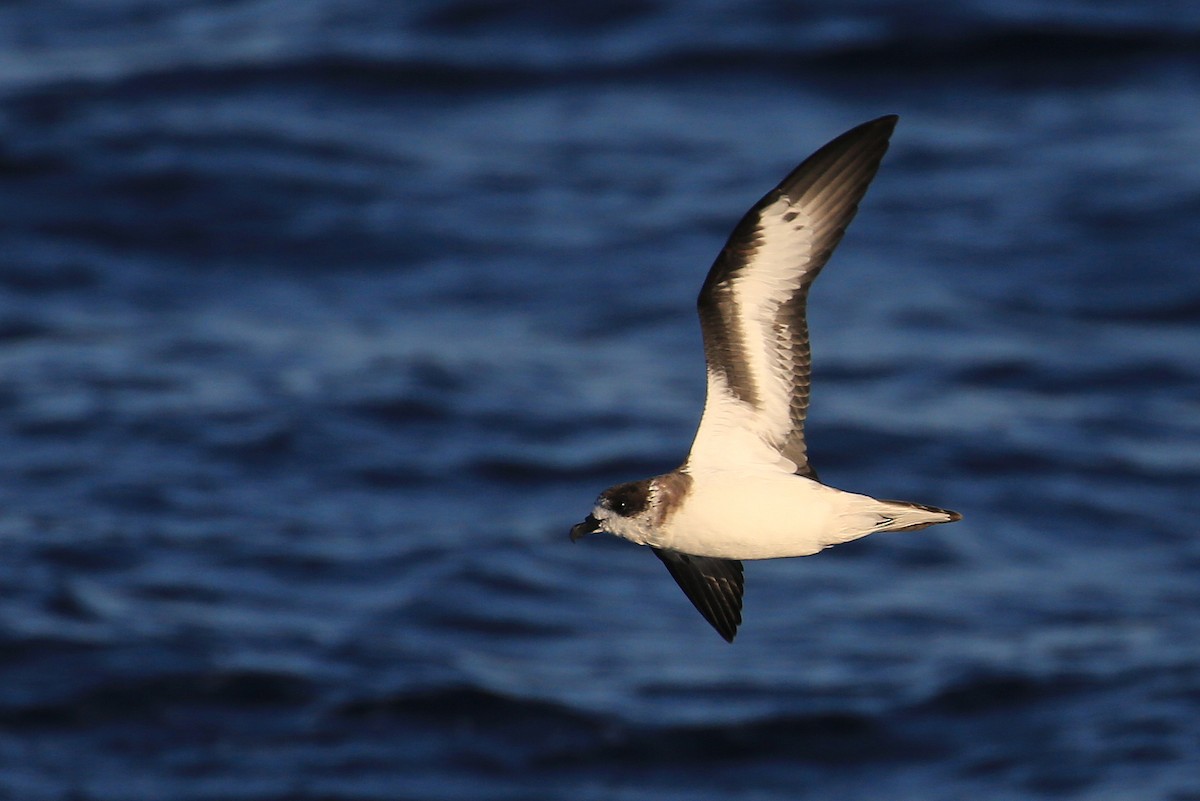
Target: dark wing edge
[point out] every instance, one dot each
(714, 586)
(849, 161)
(831, 182)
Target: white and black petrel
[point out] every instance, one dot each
(746, 490)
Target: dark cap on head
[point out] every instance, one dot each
(627, 499)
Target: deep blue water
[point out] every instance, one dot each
(322, 321)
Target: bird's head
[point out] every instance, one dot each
(626, 510)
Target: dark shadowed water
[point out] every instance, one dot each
(322, 321)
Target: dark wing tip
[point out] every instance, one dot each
(886, 121)
(841, 170)
(880, 126)
(853, 157)
(714, 586)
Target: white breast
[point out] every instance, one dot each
(765, 515)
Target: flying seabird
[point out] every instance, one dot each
(747, 490)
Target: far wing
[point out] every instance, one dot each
(714, 586)
(753, 305)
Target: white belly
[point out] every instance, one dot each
(764, 516)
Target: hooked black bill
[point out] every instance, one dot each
(590, 525)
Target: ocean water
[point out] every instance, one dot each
(322, 321)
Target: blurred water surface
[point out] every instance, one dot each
(320, 323)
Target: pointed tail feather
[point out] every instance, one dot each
(908, 516)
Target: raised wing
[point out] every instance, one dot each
(714, 586)
(752, 306)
